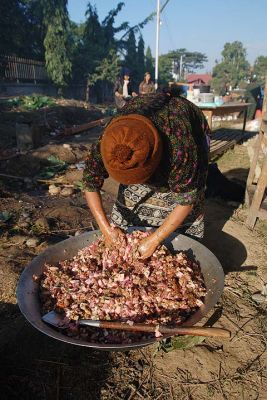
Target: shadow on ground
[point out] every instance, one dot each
(34, 366)
(230, 251)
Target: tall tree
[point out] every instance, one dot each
(149, 62)
(26, 39)
(131, 55)
(260, 69)
(110, 42)
(105, 74)
(57, 59)
(141, 58)
(234, 67)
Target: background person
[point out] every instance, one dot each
(147, 86)
(123, 89)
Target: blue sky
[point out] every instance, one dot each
(197, 25)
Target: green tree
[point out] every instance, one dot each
(105, 74)
(21, 28)
(141, 58)
(165, 66)
(149, 62)
(57, 59)
(110, 42)
(130, 60)
(260, 69)
(191, 61)
(233, 69)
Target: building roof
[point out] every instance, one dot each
(205, 78)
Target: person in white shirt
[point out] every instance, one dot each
(123, 90)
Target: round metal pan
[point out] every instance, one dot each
(28, 290)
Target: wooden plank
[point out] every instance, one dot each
(226, 139)
(80, 128)
(258, 196)
(222, 149)
(251, 191)
(253, 165)
(220, 143)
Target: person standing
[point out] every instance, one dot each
(147, 86)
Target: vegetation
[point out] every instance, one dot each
(149, 62)
(56, 21)
(191, 61)
(233, 69)
(33, 102)
(260, 69)
(93, 52)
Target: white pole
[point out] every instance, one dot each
(181, 67)
(157, 46)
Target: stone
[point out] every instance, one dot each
(42, 223)
(67, 192)
(53, 190)
(28, 137)
(18, 239)
(32, 242)
(24, 225)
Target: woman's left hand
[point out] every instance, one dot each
(147, 246)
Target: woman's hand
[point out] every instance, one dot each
(148, 245)
(113, 235)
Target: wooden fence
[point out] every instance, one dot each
(22, 69)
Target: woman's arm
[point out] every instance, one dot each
(172, 222)
(94, 201)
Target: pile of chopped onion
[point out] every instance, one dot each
(103, 283)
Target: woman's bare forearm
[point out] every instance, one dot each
(174, 220)
(94, 202)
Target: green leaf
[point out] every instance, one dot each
(79, 185)
(180, 342)
(5, 216)
(56, 165)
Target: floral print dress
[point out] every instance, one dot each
(180, 177)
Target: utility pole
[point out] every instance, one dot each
(181, 67)
(157, 46)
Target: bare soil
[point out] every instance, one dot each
(34, 366)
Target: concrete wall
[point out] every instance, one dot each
(71, 92)
(19, 89)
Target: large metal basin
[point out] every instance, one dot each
(28, 298)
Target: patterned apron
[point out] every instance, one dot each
(144, 205)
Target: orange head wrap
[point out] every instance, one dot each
(131, 149)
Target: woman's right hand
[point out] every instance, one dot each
(113, 235)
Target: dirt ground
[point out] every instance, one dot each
(34, 366)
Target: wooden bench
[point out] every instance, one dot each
(223, 140)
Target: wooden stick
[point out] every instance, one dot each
(178, 330)
(80, 128)
(13, 177)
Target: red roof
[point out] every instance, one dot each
(199, 78)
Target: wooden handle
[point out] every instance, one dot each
(197, 331)
(182, 330)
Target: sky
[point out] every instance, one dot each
(197, 25)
